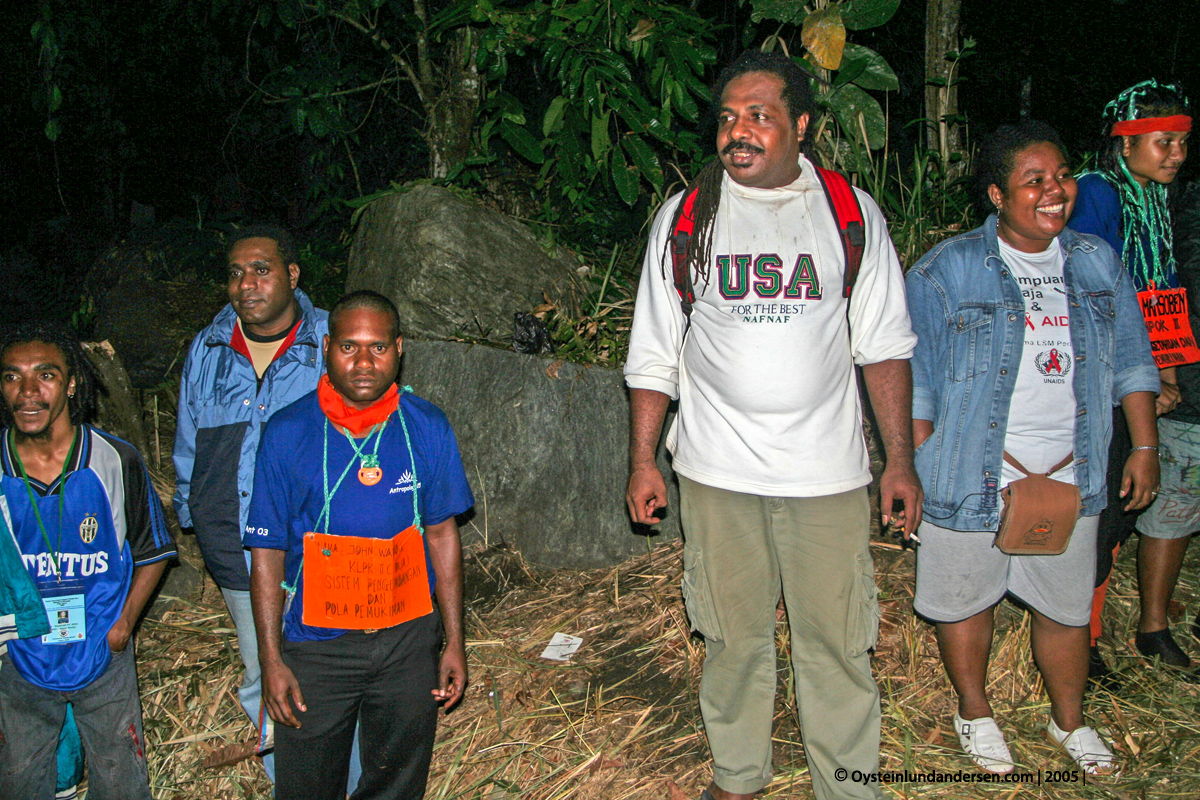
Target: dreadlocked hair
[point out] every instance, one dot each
(797, 96)
(82, 406)
(698, 254)
(1144, 213)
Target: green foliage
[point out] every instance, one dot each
(866, 69)
(44, 37)
(595, 99)
(921, 204)
(593, 327)
(860, 14)
(83, 319)
(622, 84)
(852, 122)
(955, 79)
(323, 265)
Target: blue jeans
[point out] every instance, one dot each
(109, 716)
(250, 693)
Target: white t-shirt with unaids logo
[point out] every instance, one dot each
(1041, 418)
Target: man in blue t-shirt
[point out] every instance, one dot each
(90, 532)
(351, 530)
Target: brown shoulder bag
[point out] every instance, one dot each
(1039, 512)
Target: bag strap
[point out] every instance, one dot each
(1070, 457)
(847, 215)
(681, 234)
(849, 218)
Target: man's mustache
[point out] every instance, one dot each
(735, 146)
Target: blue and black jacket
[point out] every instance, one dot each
(222, 411)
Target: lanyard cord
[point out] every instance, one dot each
(328, 501)
(290, 588)
(33, 500)
(358, 454)
(413, 461)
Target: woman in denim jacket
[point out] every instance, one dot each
(1027, 334)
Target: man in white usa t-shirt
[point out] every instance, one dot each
(767, 442)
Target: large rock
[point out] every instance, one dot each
(452, 267)
(545, 446)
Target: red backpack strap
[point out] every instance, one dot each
(681, 233)
(848, 216)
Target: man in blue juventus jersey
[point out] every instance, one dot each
(89, 528)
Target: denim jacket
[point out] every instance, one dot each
(969, 316)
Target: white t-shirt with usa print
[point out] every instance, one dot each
(768, 401)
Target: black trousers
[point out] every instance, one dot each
(1116, 524)
(382, 682)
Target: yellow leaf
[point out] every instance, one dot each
(641, 30)
(824, 36)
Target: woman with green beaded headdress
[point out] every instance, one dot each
(1124, 201)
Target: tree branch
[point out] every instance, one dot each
(364, 88)
(371, 31)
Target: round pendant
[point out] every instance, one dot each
(369, 476)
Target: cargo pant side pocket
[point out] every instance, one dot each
(697, 596)
(863, 633)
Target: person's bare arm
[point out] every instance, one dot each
(1139, 480)
(1170, 395)
(145, 580)
(445, 550)
(889, 384)
(922, 430)
(647, 491)
(279, 686)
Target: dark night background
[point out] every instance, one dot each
(157, 111)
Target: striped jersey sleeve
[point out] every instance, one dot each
(145, 522)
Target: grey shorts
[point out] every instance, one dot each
(960, 573)
(1175, 513)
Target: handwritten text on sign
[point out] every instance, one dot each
(1171, 339)
(360, 583)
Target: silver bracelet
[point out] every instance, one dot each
(1153, 447)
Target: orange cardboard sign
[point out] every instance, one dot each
(1171, 338)
(360, 583)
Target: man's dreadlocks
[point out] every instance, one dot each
(797, 97)
(1144, 215)
(82, 406)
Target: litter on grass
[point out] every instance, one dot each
(562, 646)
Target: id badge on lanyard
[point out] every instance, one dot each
(1166, 315)
(66, 609)
(360, 583)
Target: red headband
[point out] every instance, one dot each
(1134, 127)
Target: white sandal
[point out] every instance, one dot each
(984, 743)
(1085, 747)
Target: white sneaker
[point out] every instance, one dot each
(1085, 747)
(984, 743)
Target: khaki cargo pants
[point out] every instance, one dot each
(740, 552)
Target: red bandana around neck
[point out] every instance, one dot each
(1135, 127)
(357, 421)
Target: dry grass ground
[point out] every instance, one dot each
(620, 719)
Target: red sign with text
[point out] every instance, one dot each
(1171, 338)
(360, 583)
